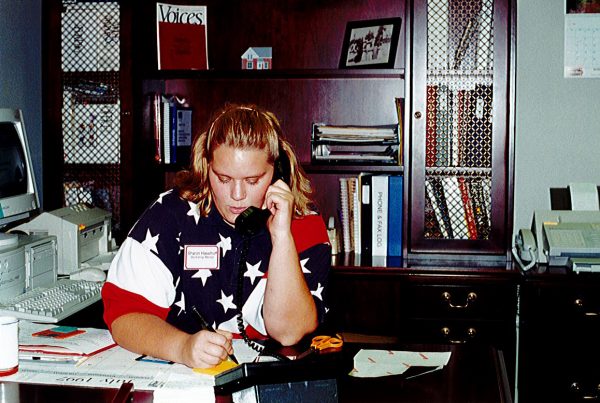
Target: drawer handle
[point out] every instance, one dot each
(471, 297)
(579, 303)
(471, 333)
(576, 388)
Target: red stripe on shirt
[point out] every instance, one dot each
(309, 231)
(118, 302)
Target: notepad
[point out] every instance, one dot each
(214, 371)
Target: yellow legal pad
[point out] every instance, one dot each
(222, 367)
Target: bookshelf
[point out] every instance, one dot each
(305, 85)
(452, 68)
(462, 166)
(87, 117)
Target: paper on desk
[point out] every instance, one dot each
(87, 343)
(113, 367)
(373, 363)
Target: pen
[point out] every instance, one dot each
(208, 327)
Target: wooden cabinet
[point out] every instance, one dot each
(440, 305)
(460, 125)
(559, 333)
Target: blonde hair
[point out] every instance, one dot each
(241, 126)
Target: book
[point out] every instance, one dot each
(351, 211)
(354, 191)
(379, 219)
(395, 202)
(364, 180)
(345, 214)
(400, 113)
(476, 194)
(165, 117)
(36, 342)
(443, 127)
(183, 133)
(469, 214)
(90, 36)
(181, 37)
(478, 140)
(456, 207)
(437, 209)
(430, 126)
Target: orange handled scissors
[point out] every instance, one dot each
(321, 344)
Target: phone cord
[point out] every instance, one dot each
(239, 302)
(239, 297)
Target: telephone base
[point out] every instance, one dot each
(321, 390)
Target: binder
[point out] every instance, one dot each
(395, 216)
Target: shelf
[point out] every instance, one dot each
(311, 168)
(275, 74)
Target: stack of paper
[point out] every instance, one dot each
(47, 342)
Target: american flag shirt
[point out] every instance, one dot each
(174, 259)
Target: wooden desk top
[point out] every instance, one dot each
(474, 374)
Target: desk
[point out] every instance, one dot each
(474, 374)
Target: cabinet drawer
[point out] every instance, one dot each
(457, 332)
(575, 302)
(460, 301)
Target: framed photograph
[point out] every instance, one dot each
(370, 44)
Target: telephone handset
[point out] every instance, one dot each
(525, 249)
(253, 219)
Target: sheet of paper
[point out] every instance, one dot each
(111, 368)
(374, 363)
(85, 343)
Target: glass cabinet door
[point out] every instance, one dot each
(460, 161)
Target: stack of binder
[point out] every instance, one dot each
(355, 144)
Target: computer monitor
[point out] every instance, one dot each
(18, 191)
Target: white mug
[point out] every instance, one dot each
(9, 347)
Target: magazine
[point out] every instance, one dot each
(181, 37)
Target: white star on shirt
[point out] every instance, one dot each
(253, 271)
(160, 197)
(303, 265)
(181, 304)
(226, 301)
(194, 211)
(178, 238)
(203, 274)
(150, 241)
(318, 291)
(224, 244)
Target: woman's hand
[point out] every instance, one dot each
(206, 349)
(280, 201)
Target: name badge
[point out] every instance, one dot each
(201, 257)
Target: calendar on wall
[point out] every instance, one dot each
(582, 39)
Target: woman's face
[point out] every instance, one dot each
(239, 178)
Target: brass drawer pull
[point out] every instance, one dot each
(471, 297)
(471, 333)
(579, 303)
(576, 388)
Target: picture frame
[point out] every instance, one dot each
(370, 43)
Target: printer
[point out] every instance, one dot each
(82, 233)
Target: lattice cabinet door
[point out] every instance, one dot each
(91, 104)
(460, 163)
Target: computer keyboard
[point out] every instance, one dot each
(54, 303)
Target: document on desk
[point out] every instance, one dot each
(113, 367)
(43, 341)
(374, 363)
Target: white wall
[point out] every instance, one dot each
(557, 119)
(21, 70)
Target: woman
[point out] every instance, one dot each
(184, 253)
